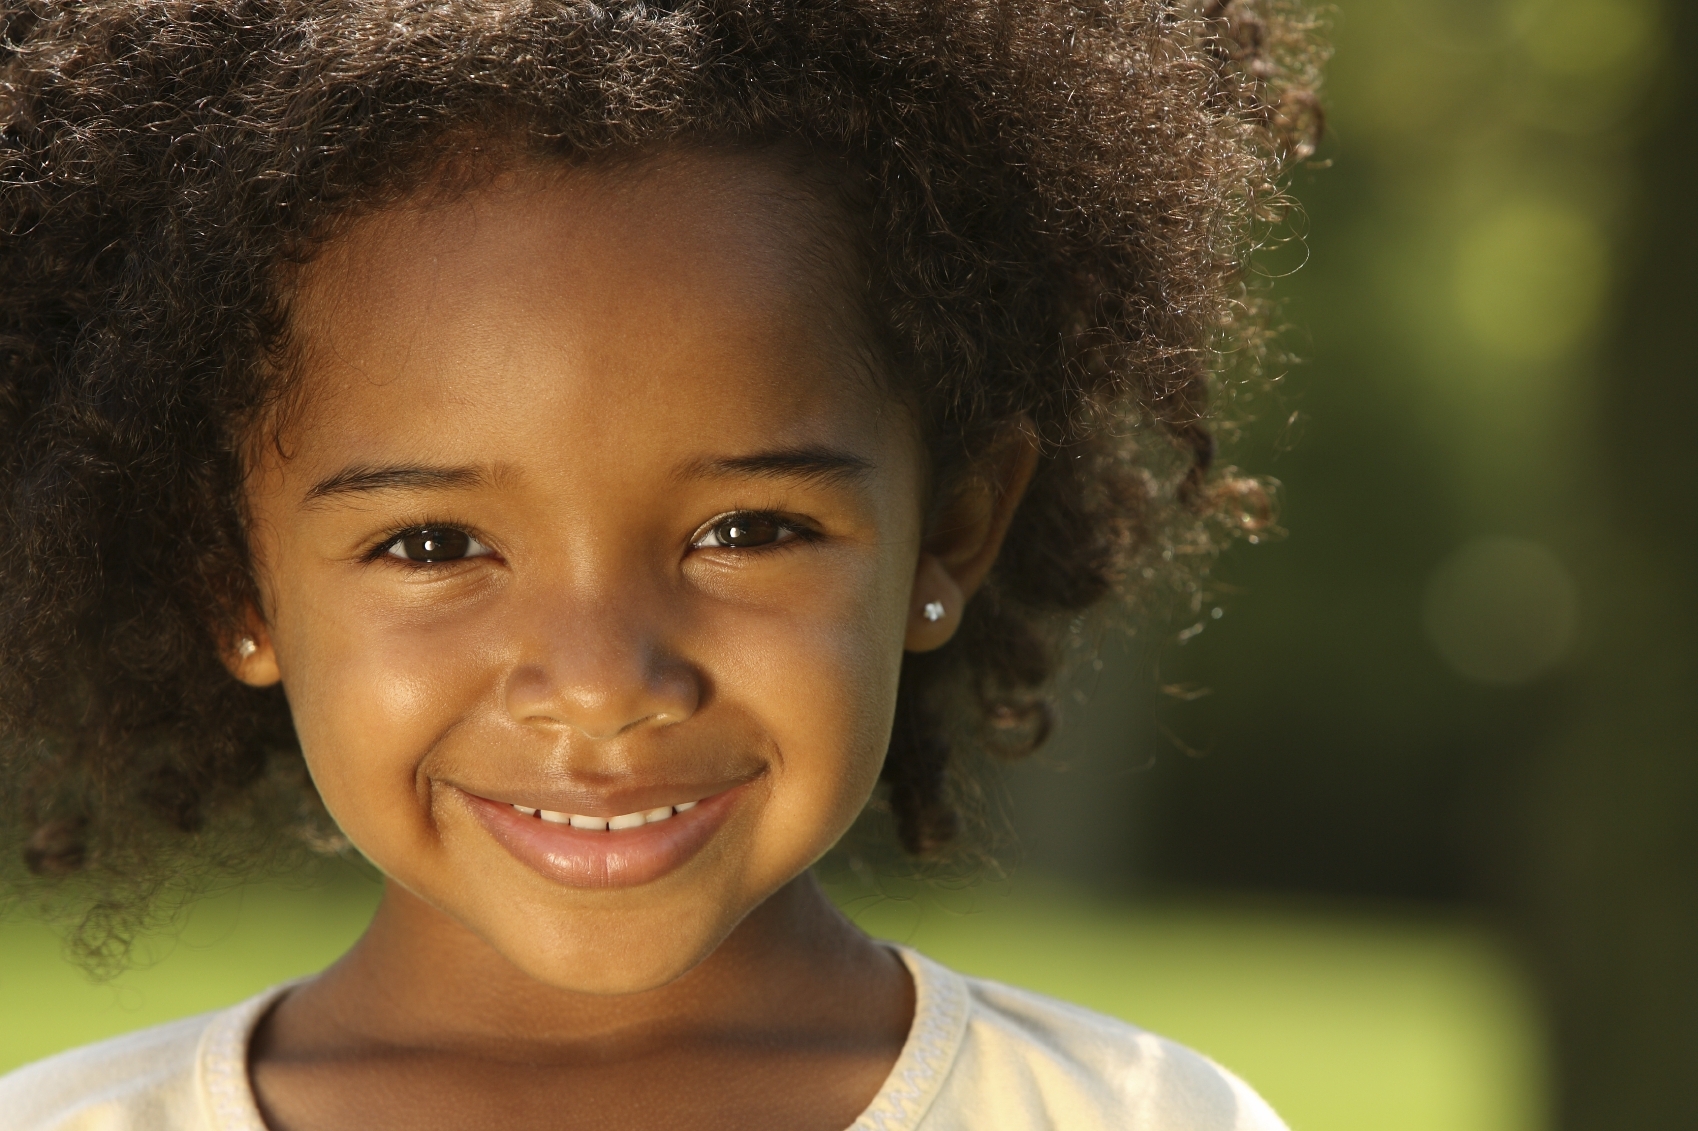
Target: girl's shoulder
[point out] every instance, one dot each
(188, 1075)
(987, 1056)
(980, 1056)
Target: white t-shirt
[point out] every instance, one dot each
(981, 1056)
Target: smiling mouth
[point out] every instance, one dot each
(608, 824)
(583, 851)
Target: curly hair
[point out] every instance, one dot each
(1056, 201)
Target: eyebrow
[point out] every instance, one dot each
(808, 464)
(359, 478)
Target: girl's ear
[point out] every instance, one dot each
(250, 656)
(960, 550)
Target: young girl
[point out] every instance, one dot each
(607, 445)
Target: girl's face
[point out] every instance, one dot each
(590, 512)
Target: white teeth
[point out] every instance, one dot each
(604, 824)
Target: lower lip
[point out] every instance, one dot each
(583, 858)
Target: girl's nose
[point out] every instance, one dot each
(595, 671)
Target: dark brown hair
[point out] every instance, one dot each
(1056, 200)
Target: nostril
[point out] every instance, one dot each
(598, 702)
(529, 698)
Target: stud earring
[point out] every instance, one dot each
(246, 647)
(933, 611)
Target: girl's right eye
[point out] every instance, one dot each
(431, 544)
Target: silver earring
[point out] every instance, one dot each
(933, 611)
(246, 647)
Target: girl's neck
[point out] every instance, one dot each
(793, 1023)
(794, 967)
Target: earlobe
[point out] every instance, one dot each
(968, 535)
(250, 656)
(935, 606)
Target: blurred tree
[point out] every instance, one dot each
(1609, 874)
(1467, 677)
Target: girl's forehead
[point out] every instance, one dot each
(685, 217)
(699, 287)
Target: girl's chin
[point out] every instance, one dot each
(611, 858)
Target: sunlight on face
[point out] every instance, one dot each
(590, 515)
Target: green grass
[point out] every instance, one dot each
(1343, 1021)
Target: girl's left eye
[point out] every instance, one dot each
(431, 544)
(745, 531)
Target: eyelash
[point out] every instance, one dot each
(799, 532)
(379, 552)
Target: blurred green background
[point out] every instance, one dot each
(1401, 824)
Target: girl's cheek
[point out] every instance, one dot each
(370, 696)
(822, 676)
